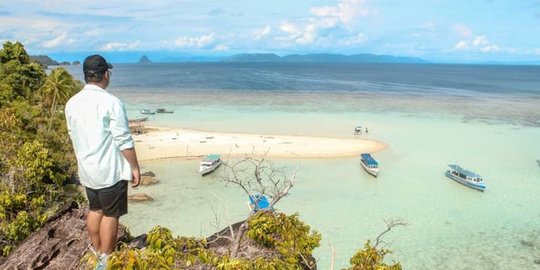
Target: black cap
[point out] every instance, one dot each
(95, 64)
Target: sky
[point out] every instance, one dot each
(458, 31)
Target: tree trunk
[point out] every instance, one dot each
(238, 239)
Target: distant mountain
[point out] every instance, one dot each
(254, 57)
(323, 58)
(44, 60)
(144, 60)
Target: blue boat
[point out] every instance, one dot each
(259, 202)
(369, 164)
(465, 177)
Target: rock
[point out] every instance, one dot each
(149, 173)
(60, 244)
(140, 197)
(148, 180)
(144, 60)
(527, 243)
(537, 261)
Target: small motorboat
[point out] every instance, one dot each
(369, 164)
(465, 177)
(145, 111)
(163, 111)
(210, 164)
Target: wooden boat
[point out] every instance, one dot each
(465, 177)
(163, 111)
(145, 111)
(369, 164)
(209, 164)
(136, 120)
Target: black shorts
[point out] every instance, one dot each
(111, 200)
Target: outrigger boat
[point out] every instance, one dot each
(465, 177)
(369, 164)
(209, 164)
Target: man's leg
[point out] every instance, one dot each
(93, 224)
(107, 234)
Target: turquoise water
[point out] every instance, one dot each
(484, 118)
(449, 225)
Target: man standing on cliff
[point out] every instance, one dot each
(105, 151)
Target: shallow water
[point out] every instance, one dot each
(486, 119)
(337, 198)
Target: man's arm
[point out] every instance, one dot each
(131, 157)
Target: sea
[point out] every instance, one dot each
(485, 118)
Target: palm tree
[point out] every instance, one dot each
(58, 87)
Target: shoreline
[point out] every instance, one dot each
(167, 142)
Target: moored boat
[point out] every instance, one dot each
(145, 111)
(465, 177)
(369, 164)
(209, 164)
(163, 111)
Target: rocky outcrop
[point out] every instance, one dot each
(140, 197)
(60, 244)
(148, 180)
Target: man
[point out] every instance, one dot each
(106, 158)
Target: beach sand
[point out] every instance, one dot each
(163, 142)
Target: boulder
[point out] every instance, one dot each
(60, 244)
(149, 173)
(148, 180)
(140, 197)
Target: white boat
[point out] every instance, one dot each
(145, 111)
(209, 164)
(369, 164)
(467, 178)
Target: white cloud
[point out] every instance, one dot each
(195, 42)
(480, 43)
(60, 40)
(221, 47)
(91, 33)
(490, 48)
(356, 39)
(120, 46)
(289, 28)
(328, 25)
(346, 10)
(462, 45)
(260, 33)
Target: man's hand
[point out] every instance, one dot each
(131, 157)
(136, 177)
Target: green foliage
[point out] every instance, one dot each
(14, 52)
(20, 215)
(287, 234)
(371, 258)
(291, 239)
(34, 161)
(59, 86)
(32, 164)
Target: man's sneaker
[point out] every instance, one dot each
(102, 262)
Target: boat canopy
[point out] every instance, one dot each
(369, 159)
(463, 171)
(212, 157)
